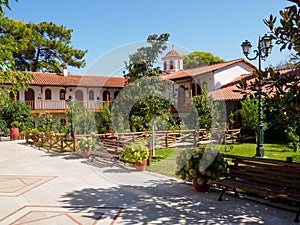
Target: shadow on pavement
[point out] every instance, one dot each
(169, 203)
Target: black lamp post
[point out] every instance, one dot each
(69, 102)
(263, 50)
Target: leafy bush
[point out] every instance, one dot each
(15, 124)
(87, 143)
(136, 151)
(17, 111)
(45, 123)
(203, 165)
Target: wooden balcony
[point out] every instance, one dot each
(59, 106)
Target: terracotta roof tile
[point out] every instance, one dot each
(52, 79)
(229, 92)
(204, 69)
(172, 53)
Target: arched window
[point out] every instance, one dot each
(29, 98)
(193, 90)
(106, 96)
(116, 94)
(91, 95)
(79, 95)
(62, 94)
(165, 66)
(198, 89)
(171, 65)
(48, 94)
(178, 65)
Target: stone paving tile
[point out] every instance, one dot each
(113, 194)
(61, 215)
(15, 185)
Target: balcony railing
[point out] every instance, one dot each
(182, 104)
(62, 104)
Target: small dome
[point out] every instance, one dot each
(171, 54)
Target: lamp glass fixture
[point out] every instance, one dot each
(246, 46)
(266, 41)
(266, 44)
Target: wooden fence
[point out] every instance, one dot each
(163, 139)
(52, 142)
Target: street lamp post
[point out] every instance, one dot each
(69, 102)
(263, 50)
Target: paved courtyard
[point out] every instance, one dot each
(41, 187)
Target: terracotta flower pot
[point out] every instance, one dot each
(202, 187)
(141, 166)
(14, 133)
(86, 153)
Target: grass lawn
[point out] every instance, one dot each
(272, 150)
(165, 160)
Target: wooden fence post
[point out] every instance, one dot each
(74, 144)
(167, 136)
(174, 137)
(61, 143)
(195, 133)
(50, 145)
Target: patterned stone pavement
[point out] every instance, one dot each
(43, 187)
(61, 215)
(12, 185)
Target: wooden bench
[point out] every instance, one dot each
(109, 148)
(102, 154)
(272, 178)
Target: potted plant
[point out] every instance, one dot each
(86, 145)
(202, 166)
(14, 130)
(137, 153)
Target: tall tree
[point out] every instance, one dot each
(282, 91)
(197, 59)
(8, 70)
(145, 90)
(287, 33)
(6, 4)
(286, 107)
(41, 47)
(141, 63)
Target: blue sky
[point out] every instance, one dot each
(217, 26)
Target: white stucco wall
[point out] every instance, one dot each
(228, 74)
(207, 79)
(177, 63)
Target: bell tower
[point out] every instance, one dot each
(173, 61)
